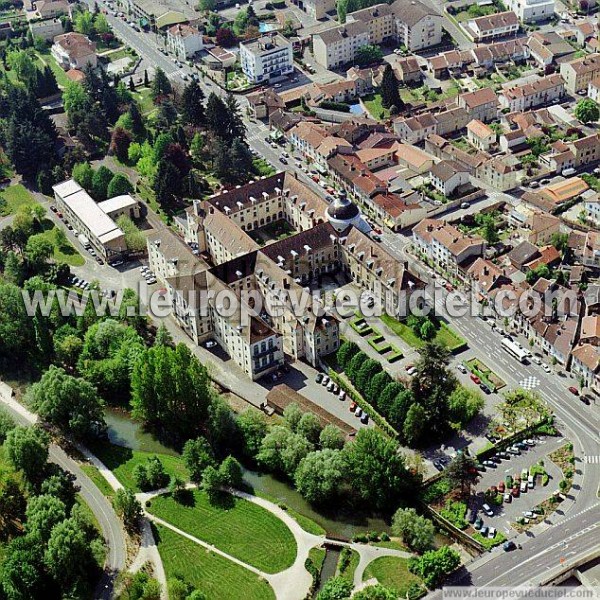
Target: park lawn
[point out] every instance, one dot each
(210, 573)
(374, 106)
(444, 335)
(392, 572)
(122, 461)
(16, 196)
(142, 95)
(348, 571)
(239, 527)
(63, 252)
(47, 59)
(98, 480)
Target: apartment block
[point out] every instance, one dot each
(267, 57)
(546, 90)
(580, 72)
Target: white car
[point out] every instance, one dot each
(151, 281)
(412, 371)
(537, 360)
(546, 368)
(462, 368)
(491, 533)
(143, 269)
(210, 344)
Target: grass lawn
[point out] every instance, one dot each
(63, 250)
(485, 374)
(92, 472)
(210, 573)
(121, 461)
(444, 334)
(15, 197)
(47, 59)
(142, 95)
(392, 572)
(240, 528)
(346, 568)
(375, 107)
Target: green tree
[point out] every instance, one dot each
(435, 565)
(6, 424)
(282, 450)
(390, 95)
(319, 475)
(336, 588)
(43, 513)
(461, 472)
(230, 471)
(309, 427)
(198, 455)
(368, 54)
(416, 531)
(150, 475)
(331, 437)
(345, 353)
(100, 182)
(27, 450)
(161, 86)
(464, 405)
(376, 592)
(119, 185)
(83, 174)
(415, 425)
(375, 387)
(84, 22)
(37, 251)
(587, 111)
(119, 144)
(376, 469)
(128, 508)
(68, 402)
(252, 426)
(21, 572)
(365, 374)
(167, 183)
(212, 482)
(192, 105)
(355, 364)
(292, 415)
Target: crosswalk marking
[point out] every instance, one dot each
(529, 383)
(593, 460)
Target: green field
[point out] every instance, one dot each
(375, 107)
(15, 197)
(392, 572)
(92, 472)
(142, 95)
(444, 335)
(63, 249)
(210, 573)
(47, 59)
(121, 461)
(240, 528)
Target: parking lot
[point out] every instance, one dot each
(509, 512)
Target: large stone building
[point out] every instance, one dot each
(184, 41)
(530, 11)
(328, 242)
(267, 57)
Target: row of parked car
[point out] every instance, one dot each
(501, 455)
(148, 275)
(335, 389)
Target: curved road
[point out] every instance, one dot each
(110, 524)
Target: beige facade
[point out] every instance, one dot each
(580, 72)
(337, 46)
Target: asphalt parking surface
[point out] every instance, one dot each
(508, 513)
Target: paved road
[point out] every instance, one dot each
(110, 524)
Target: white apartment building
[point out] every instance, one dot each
(592, 210)
(267, 57)
(337, 46)
(493, 26)
(184, 41)
(417, 26)
(530, 11)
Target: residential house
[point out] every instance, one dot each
(74, 51)
(306, 137)
(480, 135)
(407, 69)
(481, 104)
(264, 102)
(497, 53)
(522, 254)
(267, 57)
(446, 247)
(448, 63)
(579, 72)
(594, 89)
(584, 30)
(47, 29)
(50, 9)
(500, 173)
(512, 140)
(484, 29)
(415, 129)
(484, 277)
(592, 210)
(398, 211)
(448, 175)
(549, 47)
(546, 90)
(184, 41)
(540, 227)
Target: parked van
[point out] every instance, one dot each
(568, 172)
(487, 510)
(530, 482)
(523, 486)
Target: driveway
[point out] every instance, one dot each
(508, 513)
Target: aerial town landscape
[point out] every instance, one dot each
(299, 299)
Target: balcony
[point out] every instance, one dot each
(270, 365)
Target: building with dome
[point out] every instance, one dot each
(342, 213)
(329, 240)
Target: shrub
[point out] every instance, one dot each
(455, 513)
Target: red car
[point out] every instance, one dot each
(515, 492)
(475, 379)
(352, 406)
(501, 487)
(409, 367)
(574, 391)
